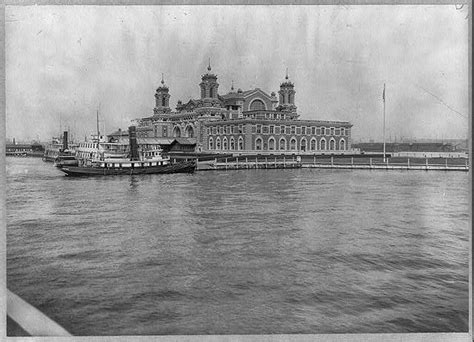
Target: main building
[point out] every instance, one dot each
(242, 121)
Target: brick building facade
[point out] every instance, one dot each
(243, 121)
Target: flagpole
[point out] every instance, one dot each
(383, 122)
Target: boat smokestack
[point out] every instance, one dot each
(65, 142)
(132, 136)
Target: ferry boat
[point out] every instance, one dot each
(103, 158)
(57, 148)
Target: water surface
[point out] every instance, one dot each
(241, 252)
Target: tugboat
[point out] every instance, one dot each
(98, 163)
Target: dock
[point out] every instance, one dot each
(248, 163)
(361, 162)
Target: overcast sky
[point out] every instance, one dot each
(63, 61)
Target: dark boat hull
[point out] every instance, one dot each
(80, 171)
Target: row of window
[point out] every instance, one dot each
(271, 129)
(282, 145)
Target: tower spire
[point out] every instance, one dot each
(162, 78)
(286, 77)
(209, 67)
(232, 87)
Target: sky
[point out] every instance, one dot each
(63, 63)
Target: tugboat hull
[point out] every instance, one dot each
(80, 171)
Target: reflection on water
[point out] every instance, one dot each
(239, 252)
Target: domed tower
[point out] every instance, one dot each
(209, 86)
(162, 98)
(287, 95)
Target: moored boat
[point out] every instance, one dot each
(101, 158)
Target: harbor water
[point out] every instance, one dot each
(241, 252)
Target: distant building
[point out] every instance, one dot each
(242, 121)
(406, 147)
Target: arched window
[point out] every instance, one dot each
(218, 143)
(176, 132)
(282, 144)
(342, 145)
(293, 144)
(232, 143)
(211, 92)
(303, 145)
(322, 144)
(312, 144)
(332, 144)
(163, 101)
(257, 105)
(224, 143)
(258, 144)
(211, 143)
(241, 143)
(271, 144)
(190, 132)
(323, 131)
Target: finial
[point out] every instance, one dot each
(162, 79)
(232, 87)
(286, 77)
(209, 67)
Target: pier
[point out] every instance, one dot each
(237, 163)
(356, 161)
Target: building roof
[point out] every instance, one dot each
(185, 141)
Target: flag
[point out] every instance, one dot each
(383, 94)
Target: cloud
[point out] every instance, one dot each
(62, 62)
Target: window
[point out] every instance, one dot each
(253, 129)
(343, 131)
(232, 144)
(272, 129)
(259, 129)
(312, 145)
(265, 129)
(214, 130)
(342, 145)
(165, 132)
(303, 130)
(332, 144)
(240, 129)
(221, 130)
(288, 130)
(208, 131)
(224, 143)
(322, 144)
(277, 130)
(257, 105)
(211, 143)
(293, 129)
(258, 144)
(303, 145)
(313, 130)
(298, 130)
(323, 131)
(293, 144)
(241, 143)
(282, 144)
(218, 143)
(271, 144)
(333, 130)
(282, 129)
(338, 131)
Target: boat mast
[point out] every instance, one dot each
(98, 133)
(383, 96)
